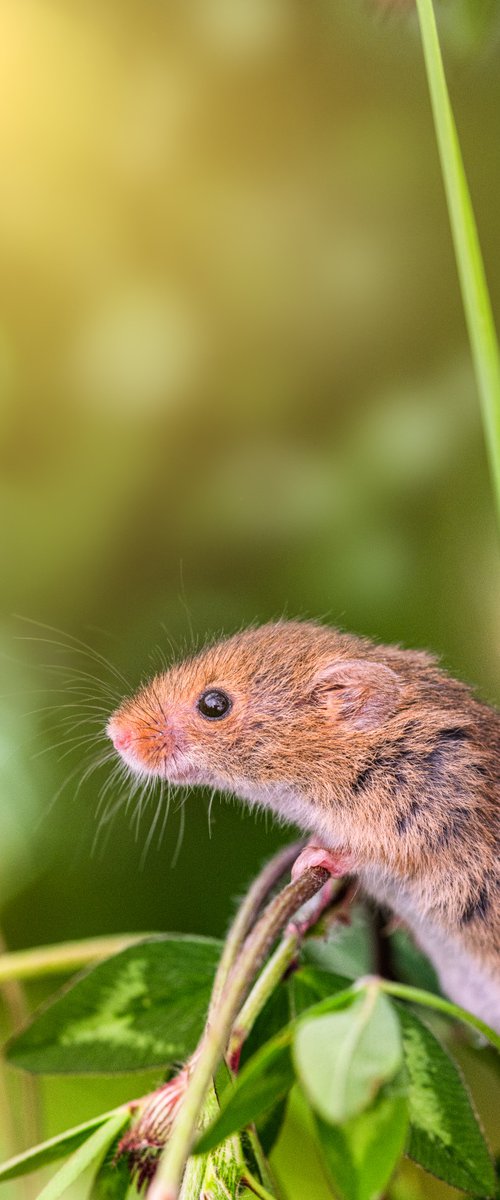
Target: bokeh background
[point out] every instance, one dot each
(235, 383)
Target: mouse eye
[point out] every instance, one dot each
(214, 704)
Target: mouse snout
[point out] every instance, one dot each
(121, 735)
(142, 746)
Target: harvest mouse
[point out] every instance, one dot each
(391, 765)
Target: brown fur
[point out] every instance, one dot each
(372, 748)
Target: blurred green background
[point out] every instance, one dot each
(235, 382)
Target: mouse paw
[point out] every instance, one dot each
(337, 862)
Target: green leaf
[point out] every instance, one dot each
(56, 1147)
(445, 1136)
(92, 1151)
(309, 984)
(409, 964)
(305, 988)
(347, 949)
(267, 1076)
(269, 1125)
(362, 1154)
(271, 1020)
(221, 1180)
(265, 1079)
(342, 1058)
(144, 1007)
(112, 1181)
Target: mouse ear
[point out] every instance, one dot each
(358, 692)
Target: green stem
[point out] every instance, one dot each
(16, 1004)
(417, 996)
(151, 1108)
(62, 958)
(263, 988)
(257, 945)
(198, 1166)
(247, 913)
(278, 964)
(194, 1175)
(475, 296)
(253, 1184)
(261, 1161)
(10, 1145)
(402, 991)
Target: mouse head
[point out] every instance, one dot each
(273, 707)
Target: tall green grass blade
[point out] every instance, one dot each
(475, 295)
(92, 1152)
(56, 1147)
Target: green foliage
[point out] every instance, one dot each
(473, 284)
(425, 1107)
(377, 1079)
(345, 1047)
(271, 1020)
(410, 965)
(268, 1126)
(362, 1154)
(266, 1079)
(350, 952)
(112, 1180)
(144, 1007)
(49, 1151)
(91, 1153)
(310, 986)
(223, 1171)
(445, 1136)
(343, 1058)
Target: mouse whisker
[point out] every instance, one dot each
(106, 820)
(78, 740)
(153, 826)
(181, 808)
(78, 646)
(211, 799)
(81, 706)
(99, 761)
(143, 788)
(72, 722)
(75, 671)
(167, 793)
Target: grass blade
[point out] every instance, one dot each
(475, 295)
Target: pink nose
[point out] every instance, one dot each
(121, 737)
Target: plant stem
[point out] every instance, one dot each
(10, 1145)
(193, 1177)
(18, 1012)
(261, 1161)
(277, 965)
(402, 991)
(254, 1186)
(62, 958)
(262, 989)
(198, 1165)
(247, 913)
(169, 1175)
(417, 996)
(474, 288)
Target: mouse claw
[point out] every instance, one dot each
(337, 863)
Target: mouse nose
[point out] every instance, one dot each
(121, 735)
